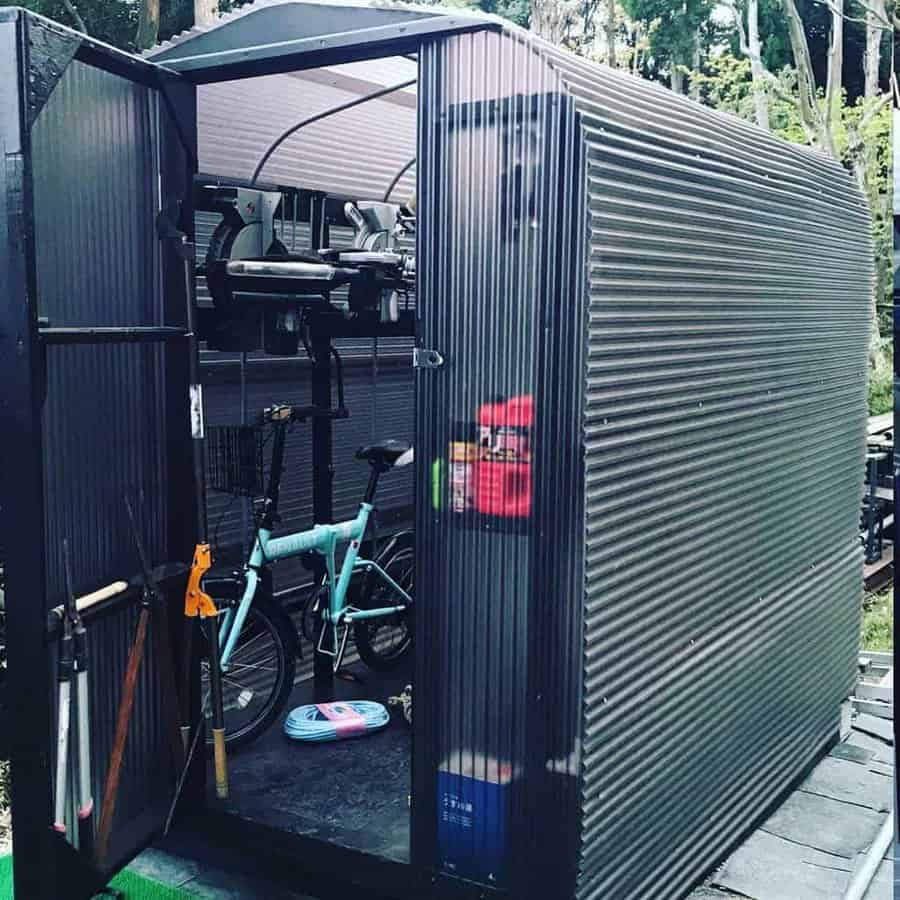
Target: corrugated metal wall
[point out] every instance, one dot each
(730, 302)
(729, 282)
(95, 200)
(499, 609)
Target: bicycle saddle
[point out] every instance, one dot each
(386, 454)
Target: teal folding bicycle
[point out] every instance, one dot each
(259, 642)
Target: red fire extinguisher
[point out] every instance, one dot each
(503, 468)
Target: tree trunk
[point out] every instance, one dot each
(205, 11)
(76, 16)
(694, 88)
(757, 73)
(611, 27)
(873, 46)
(148, 25)
(677, 78)
(548, 19)
(834, 84)
(806, 85)
(636, 59)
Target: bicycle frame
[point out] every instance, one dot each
(323, 539)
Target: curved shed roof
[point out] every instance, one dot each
(283, 35)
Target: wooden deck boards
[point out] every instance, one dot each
(810, 846)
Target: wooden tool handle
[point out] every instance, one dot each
(104, 593)
(116, 758)
(220, 763)
(95, 597)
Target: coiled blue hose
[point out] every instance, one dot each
(310, 723)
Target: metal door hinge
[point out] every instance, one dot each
(426, 359)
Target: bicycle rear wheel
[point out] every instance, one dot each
(383, 643)
(259, 678)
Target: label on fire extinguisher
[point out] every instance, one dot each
(462, 483)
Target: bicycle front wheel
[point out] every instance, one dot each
(259, 677)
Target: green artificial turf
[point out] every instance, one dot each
(134, 887)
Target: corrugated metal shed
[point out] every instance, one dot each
(730, 300)
(635, 630)
(728, 286)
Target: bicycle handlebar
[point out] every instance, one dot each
(283, 413)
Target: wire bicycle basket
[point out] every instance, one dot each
(234, 459)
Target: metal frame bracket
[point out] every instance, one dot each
(423, 358)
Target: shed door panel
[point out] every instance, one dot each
(497, 476)
(110, 426)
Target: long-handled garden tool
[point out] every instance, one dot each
(85, 808)
(73, 657)
(198, 605)
(65, 665)
(150, 602)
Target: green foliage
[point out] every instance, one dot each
(518, 11)
(776, 46)
(863, 141)
(673, 27)
(114, 22)
(878, 621)
(111, 22)
(725, 83)
(881, 376)
(866, 137)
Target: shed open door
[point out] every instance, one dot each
(499, 498)
(94, 410)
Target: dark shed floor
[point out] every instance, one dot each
(807, 850)
(354, 793)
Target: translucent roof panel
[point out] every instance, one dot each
(283, 35)
(356, 152)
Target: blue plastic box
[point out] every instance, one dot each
(473, 824)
